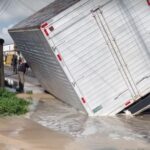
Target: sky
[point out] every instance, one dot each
(13, 11)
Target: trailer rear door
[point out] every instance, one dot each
(90, 60)
(128, 37)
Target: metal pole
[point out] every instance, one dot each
(1, 64)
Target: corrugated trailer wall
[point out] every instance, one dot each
(40, 57)
(93, 55)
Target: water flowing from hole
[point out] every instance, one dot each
(63, 118)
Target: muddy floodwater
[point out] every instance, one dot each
(98, 133)
(53, 125)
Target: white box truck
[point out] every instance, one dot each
(91, 54)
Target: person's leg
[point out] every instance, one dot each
(22, 81)
(19, 79)
(16, 69)
(13, 68)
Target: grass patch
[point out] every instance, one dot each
(12, 105)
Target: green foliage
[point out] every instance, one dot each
(11, 105)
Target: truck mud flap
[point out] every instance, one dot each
(140, 106)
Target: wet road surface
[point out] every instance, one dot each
(97, 133)
(53, 125)
(17, 133)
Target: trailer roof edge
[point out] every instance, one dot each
(24, 29)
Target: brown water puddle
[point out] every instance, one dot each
(24, 134)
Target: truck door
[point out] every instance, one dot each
(121, 32)
(137, 16)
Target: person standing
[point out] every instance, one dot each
(22, 68)
(14, 63)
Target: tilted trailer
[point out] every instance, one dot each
(91, 54)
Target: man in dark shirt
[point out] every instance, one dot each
(22, 68)
(14, 63)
